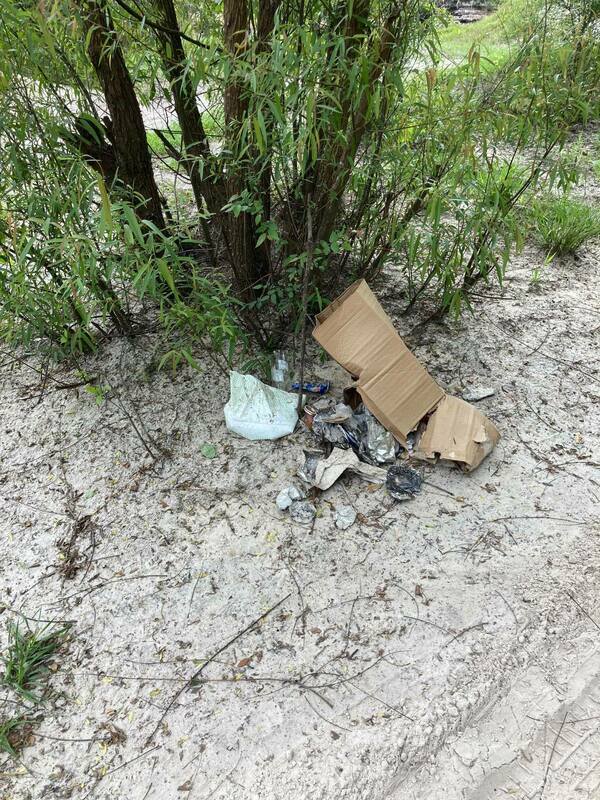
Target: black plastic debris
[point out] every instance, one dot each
(403, 482)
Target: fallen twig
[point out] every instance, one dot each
(582, 609)
(477, 626)
(196, 675)
(552, 755)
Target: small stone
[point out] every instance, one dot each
(344, 517)
(429, 572)
(287, 496)
(474, 393)
(467, 753)
(302, 512)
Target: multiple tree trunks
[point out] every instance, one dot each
(216, 179)
(194, 138)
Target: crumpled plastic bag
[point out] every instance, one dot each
(329, 425)
(338, 425)
(258, 411)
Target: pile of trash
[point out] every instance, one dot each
(392, 412)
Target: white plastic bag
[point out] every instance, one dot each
(257, 411)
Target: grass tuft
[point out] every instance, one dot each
(14, 733)
(27, 658)
(496, 35)
(563, 224)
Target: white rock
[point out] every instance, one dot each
(344, 517)
(286, 497)
(474, 393)
(467, 752)
(302, 512)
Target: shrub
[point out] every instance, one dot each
(341, 133)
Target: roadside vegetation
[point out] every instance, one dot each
(308, 146)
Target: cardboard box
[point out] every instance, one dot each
(458, 432)
(394, 385)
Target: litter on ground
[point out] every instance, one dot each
(391, 411)
(258, 411)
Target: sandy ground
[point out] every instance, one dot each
(448, 647)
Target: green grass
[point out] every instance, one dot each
(27, 657)
(12, 734)
(495, 35)
(596, 157)
(563, 224)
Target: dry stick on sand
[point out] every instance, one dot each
(582, 609)
(552, 754)
(198, 672)
(307, 270)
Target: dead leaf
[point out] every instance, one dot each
(185, 787)
(245, 661)
(114, 735)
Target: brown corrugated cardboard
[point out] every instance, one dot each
(394, 386)
(459, 432)
(356, 331)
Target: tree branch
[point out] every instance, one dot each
(162, 28)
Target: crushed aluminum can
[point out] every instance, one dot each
(312, 388)
(309, 416)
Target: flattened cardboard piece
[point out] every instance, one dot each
(394, 386)
(459, 432)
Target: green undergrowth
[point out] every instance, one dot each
(564, 224)
(28, 661)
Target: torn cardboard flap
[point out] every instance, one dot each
(459, 432)
(394, 385)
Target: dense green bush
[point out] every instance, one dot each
(335, 131)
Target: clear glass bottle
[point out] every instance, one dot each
(280, 370)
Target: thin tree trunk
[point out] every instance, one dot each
(248, 263)
(195, 140)
(126, 131)
(196, 147)
(340, 157)
(266, 24)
